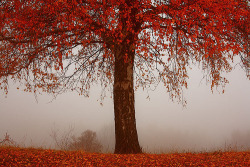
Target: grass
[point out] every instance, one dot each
(17, 156)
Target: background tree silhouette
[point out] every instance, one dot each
(123, 44)
(87, 141)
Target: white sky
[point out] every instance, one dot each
(206, 123)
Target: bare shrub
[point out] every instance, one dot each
(64, 140)
(8, 141)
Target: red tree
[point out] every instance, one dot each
(118, 42)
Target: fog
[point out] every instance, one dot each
(210, 121)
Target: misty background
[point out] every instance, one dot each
(210, 121)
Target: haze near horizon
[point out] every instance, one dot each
(210, 121)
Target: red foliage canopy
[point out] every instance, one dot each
(37, 39)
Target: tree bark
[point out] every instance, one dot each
(124, 102)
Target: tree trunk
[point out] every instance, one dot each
(124, 103)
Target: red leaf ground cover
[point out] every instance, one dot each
(10, 156)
